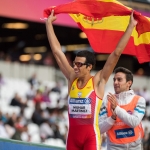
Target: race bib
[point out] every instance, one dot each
(80, 107)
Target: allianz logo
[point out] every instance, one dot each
(130, 132)
(87, 101)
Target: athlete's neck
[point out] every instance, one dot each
(83, 81)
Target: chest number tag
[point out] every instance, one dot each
(80, 107)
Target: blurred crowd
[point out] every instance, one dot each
(42, 112)
(146, 120)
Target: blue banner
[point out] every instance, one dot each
(6, 144)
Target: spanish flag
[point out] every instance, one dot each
(104, 22)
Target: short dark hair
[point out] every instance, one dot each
(90, 57)
(128, 73)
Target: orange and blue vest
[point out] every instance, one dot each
(121, 133)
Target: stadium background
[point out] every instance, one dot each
(25, 51)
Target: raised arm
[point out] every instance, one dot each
(115, 55)
(56, 47)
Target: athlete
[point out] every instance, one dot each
(121, 114)
(85, 91)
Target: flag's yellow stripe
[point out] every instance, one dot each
(148, 18)
(115, 23)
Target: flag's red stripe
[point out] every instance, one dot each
(105, 41)
(91, 8)
(143, 53)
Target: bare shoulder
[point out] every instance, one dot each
(71, 79)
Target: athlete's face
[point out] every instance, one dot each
(80, 67)
(120, 83)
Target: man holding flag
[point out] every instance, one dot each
(85, 91)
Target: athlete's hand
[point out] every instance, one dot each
(132, 22)
(51, 17)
